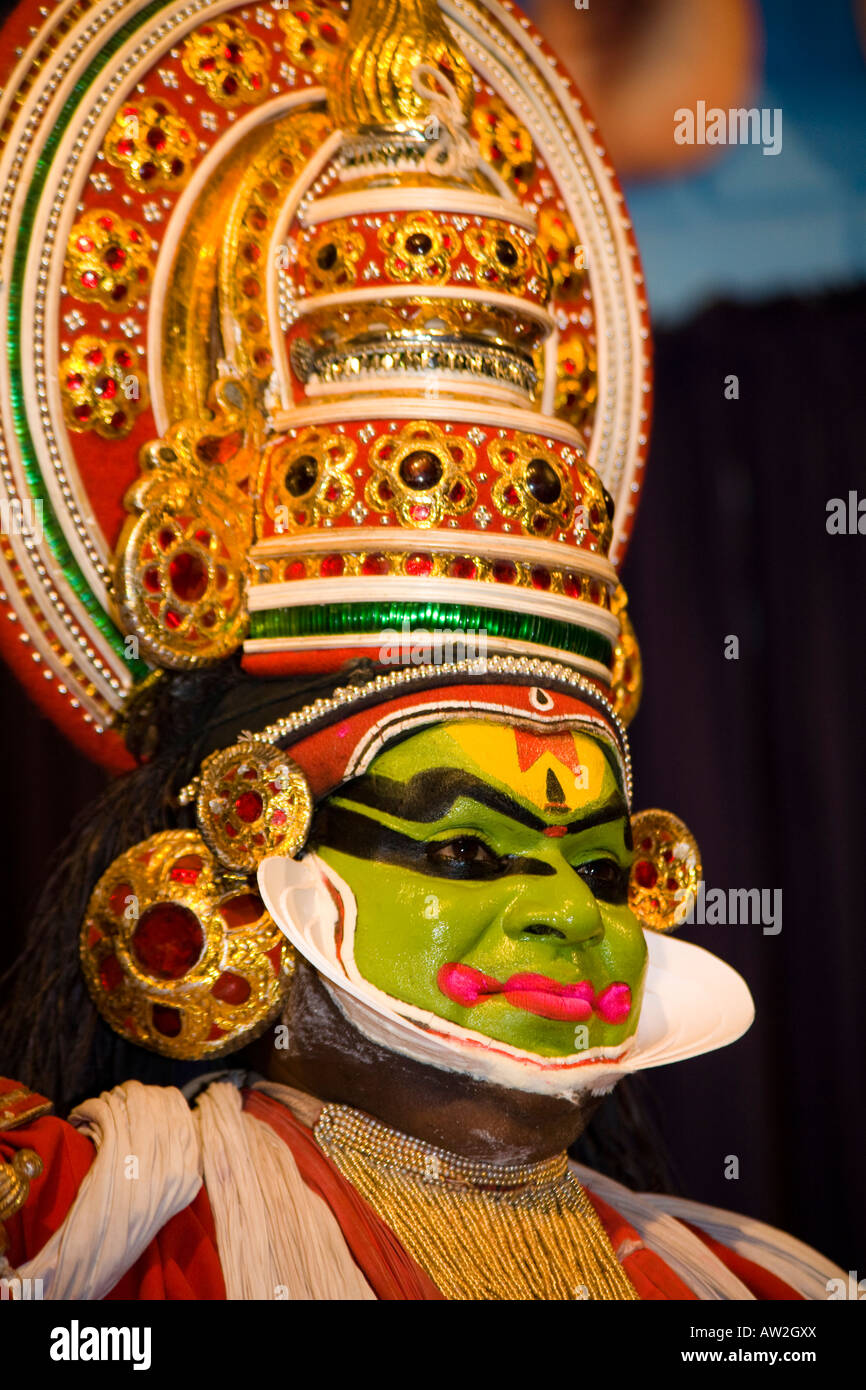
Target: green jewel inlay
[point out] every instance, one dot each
(331, 619)
(17, 337)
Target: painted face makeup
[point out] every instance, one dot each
(490, 868)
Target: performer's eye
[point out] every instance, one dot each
(466, 856)
(606, 879)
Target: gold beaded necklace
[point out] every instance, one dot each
(479, 1230)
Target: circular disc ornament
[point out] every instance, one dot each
(666, 871)
(253, 800)
(178, 956)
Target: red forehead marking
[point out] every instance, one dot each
(556, 830)
(531, 746)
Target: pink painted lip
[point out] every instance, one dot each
(537, 994)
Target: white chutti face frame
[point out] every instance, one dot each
(693, 1002)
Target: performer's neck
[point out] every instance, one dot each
(328, 1058)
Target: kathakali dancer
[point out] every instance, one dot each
(325, 400)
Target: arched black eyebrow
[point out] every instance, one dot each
(430, 794)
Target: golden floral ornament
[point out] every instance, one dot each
(178, 956)
(107, 259)
(314, 31)
(419, 247)
(422, 475)
(505, 262)
(329, 260)
(533, 487)
(627, 671)
(504, 142)
(252, 801)
(560, 245)
(666, 872)
(306, 481)
(576, 379)
(104, 387)
(151, 144)
(225, 59)
(181, 558)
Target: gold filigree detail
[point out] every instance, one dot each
(245, 255)
(371, 81)
(15, 1179)
(329, 261)
(419, 247)
(253, 800)
(627, 672)
(421, 475)
(561, 248)
(315, 30)
(505, 143)
(666, 872)
(178, 956)
(104, 387)
(225, 59)
(576, 380)
(534, 487)
(151, 144)
(107, 259)
(306, 481)
(593, 517)
(180, 578)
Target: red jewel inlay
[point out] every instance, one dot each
(463, 568)
(167, 941)
(166, 1021)
(186, 869)
(332, 566)
(188, 576)
(242, 910)
(419, 564)
(231, 989)
(248, 806)
(110, 973)
(375, 564)
(571, 584)
(119, 899)
(646, 874)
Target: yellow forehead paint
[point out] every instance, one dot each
(548, 769)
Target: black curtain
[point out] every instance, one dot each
(762, 756)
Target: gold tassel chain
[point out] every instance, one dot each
(479, 1230)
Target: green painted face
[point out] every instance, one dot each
(490, 867)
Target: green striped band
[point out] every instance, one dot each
(353, 620)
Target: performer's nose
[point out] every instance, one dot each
(556, 909)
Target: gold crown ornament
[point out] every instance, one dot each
(320, 324)
(337, 325)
